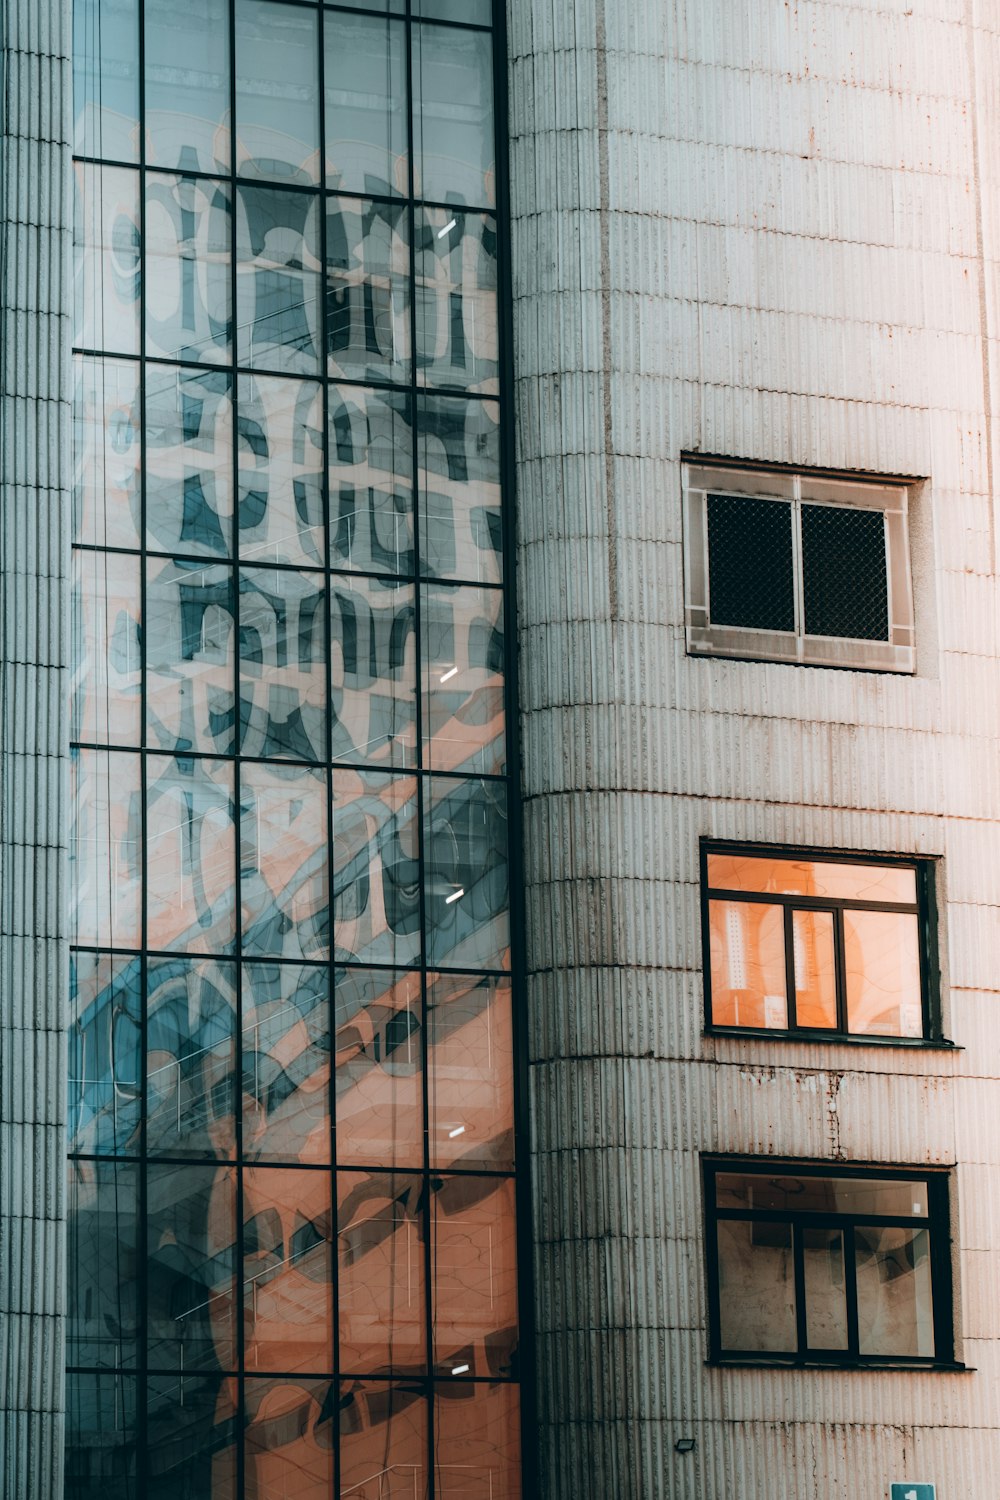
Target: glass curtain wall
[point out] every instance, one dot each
(292, 1240)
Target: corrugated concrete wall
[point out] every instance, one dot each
(35, 229)
(771, 231)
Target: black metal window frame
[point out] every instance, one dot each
(925, 910)
(937, 1222)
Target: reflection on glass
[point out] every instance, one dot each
(463, 679)
(277, 92)
(467, 894)
(365, 81)
(191, 1250)
(278, 280)
(822, 1194)
(474, 1266)
(453, 136)
(380, 1252)
(288, 1269)
(188, 279)
(367, 290)
(189, 457)
(101, 1437)
(383, 1438)
(477, 1435)
(105, 1055)
(809, 877)
(190, 865)
(825, 1288)
(280, 436)
(105, 848)
(756, 1287)
(190, 656)
(459, 478)
(187, 84)
(815, 967)
(106, 255)
(371, 481)
(456, 292)
(473, 12)
(895, 1304)
(748, 964)
(102, 1228)
(376, 876)
(290, 1438)
(470, 1073)
(105, 701)
(882, 951)
(191, 1058)
(191, 1437)
(379, 1068)
(283, 862)
(286, 1062)
(282, 664)
(106, 79)
(373, 636)
(105, 452)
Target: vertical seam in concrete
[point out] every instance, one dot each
(604, 172)
(984, 328)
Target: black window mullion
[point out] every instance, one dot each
(799, 1274)
(851, 1290)
(791, 1015)
(840, 971)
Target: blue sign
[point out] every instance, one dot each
(906, 1491)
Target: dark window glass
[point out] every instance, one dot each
(750, 563)
(101, 1437)
(844, 579)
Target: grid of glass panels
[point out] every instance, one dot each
(292, 1254)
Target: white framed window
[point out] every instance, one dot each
(797, 567)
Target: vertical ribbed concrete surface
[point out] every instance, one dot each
(34, 459)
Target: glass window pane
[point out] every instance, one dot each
(845, 584)
(810, 877)
(756, 1287)
(748, 964)
(373, 634)
(822, 1194)
(459, 480)
(376, 877)
(383, 7)
(383, 1440)
(282, 664)
(288, 1269)
(105, 1054)
(462, 639)
(882, 951)
(290, 1439)
(190, 869)
(106, 692)
(456, 292)
(106, 254)
(286, 1062)
(106, 500)
(187, 84)
(466, 879)
(190, 656)
(825, 1287)
(188, 269)
(477, 1440)
(381, 1257)
(105, 849)
(280, 435)
(191, 1058)
(453, 136)
(191, 1437)
(103, 1270)
(380, 1118)
(106, 79)
(470, 1072)
(371, 481)
(474, 1265)
(895, 1305)
(191, 1289)
(750, 563)
(278, 281)
(815, 969)
(277, 92)
(365, 83)
(189, 459)
(367, 290)
(283, 862)
(101, 1437)
(474, 12)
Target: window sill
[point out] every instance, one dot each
(833, 1038)
(876, 1366)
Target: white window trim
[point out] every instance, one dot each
(707, 639)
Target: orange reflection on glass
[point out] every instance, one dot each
(477, 1448)
(475, 1276)
(379, 1068)
(287, 1269)
(747, 964)
(380, 1251)
(815, 969)
(471, 1078)
(808, 877)
(883, 973)
(289, 1440)
(383, 1441)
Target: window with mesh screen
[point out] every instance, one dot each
(751, 575)
(845, 586)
